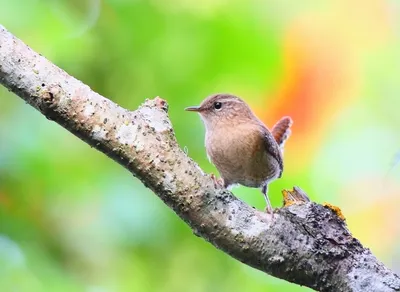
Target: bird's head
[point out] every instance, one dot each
(223, 108)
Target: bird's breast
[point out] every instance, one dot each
(240, 156)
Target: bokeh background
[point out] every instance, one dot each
(73, 220)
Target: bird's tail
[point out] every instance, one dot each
(281, 130)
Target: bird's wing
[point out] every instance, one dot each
(272, 147)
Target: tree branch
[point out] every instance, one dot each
(306, 244)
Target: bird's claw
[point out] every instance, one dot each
(270, 211)
(218, 182)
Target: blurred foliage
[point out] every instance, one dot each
(73, 220)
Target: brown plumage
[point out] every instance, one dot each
(240, 146)
(281, 130)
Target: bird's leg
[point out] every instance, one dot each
(218, 182)
(268, 208)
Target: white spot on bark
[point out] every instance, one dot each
(127, 134)
(155, 118)
(99, 133)
(246, 223)
(89, 111)
(169, 182)
(139, 146)
(276, 259)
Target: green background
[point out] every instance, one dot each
(73, 220)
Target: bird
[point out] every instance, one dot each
(241, 147)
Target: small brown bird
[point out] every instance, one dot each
(240, 146)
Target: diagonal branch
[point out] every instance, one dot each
(306, 244)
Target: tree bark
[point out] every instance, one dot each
(305, 243)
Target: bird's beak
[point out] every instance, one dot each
(193, 109)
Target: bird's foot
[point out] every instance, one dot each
(218, 182)
(270, 211)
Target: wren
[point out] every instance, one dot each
(241, 147)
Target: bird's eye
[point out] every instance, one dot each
(217, 105)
